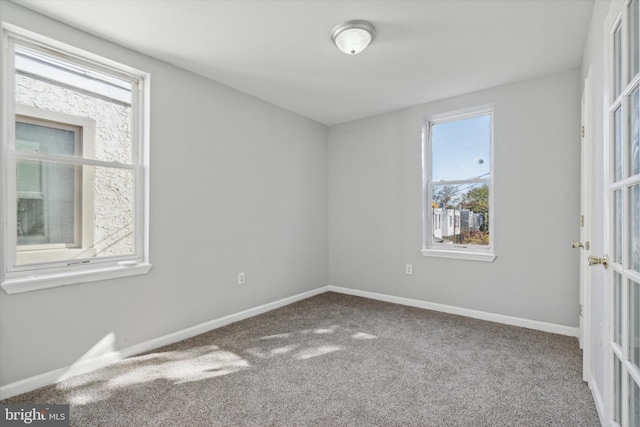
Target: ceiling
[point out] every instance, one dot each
(281, 51)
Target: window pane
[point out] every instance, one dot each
(460, 214)
(33, 138)
(617, 231)
(617, 144)
(617, 62)
(46, 197)
(461, 149)
(29, 179)
(617, 389)
(114, 208)
(105, 227)
(49, 83)
(617, 309)
(634, 403)
(633, 36)
(634, 217)
(634, 155)
(634, 323)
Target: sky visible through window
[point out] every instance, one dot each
(461, 149)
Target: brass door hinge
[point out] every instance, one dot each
(582, 131)
(581, 220)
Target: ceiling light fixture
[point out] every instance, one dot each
(352, 37)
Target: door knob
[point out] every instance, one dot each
(594, 260)
(576, 245)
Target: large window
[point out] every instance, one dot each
(457, 175)
(74, 160)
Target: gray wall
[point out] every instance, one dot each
(375, 224)
(236, 185)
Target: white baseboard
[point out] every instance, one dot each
(93, 363)
(499, 318)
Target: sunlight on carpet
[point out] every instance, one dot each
(178, 367)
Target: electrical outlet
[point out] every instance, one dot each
(241, 278)
(408, 269)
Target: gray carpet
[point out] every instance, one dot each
(337, 360)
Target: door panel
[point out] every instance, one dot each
(622, 185)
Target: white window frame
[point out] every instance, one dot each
(441, 250)
(15, 277)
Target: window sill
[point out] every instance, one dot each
(468, 255)
(17, 285)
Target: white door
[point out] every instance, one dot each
(622, 186)
(586, 175)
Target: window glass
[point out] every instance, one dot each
(49, 205)
(634, 155)
(634, 403)
(617, 144)
(617, 230)
(466, 206)
(50, 83)
(461, 149)
(44, 139)
(617, 62)
(617, 301)
(634, 37)
(114, 219)
(634, 217)
(46, 202)
(634, 323)
(458, 154)
(617, 390)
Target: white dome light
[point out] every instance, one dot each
(352, 37)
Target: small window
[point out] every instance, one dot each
(76, 171)
(458, 171)
(46, 192)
